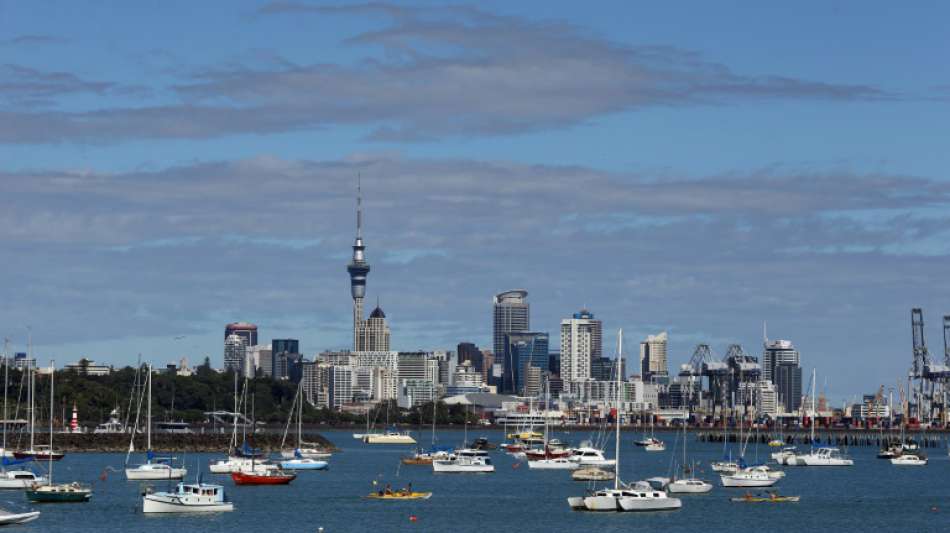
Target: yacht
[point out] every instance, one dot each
(909, 459)
(20, 479)
(823, 456)
(688, 486)
(747, 478)
(587, 456)
(560, 463)
(390, 437)
(187, 498)
(464, 461)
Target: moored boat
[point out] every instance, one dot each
(464, 461)
(561, 463)
(20, 479)
(591, 473)
(909, 459)
(7, 518)
(269, 477)
(187, 498)
(59, 493)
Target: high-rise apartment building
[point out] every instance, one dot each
(523, 350)
(511, 315)
(581, 345)
(242, 329)
(653, 363)
(235, 353)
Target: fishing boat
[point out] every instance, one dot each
(592, 473)
(237, 464)
(7, 518)
(62, 492)
(910, 459)
(297, 461)
(187, 498)
(154, 467)
(624, 498)
(772, 497)
(267, 477)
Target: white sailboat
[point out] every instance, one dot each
(688, 484)
(297, 460)
(13, 479)
(822, 455)
(154, 467)
(465, 460)
(639, 497)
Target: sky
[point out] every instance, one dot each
(699, 168)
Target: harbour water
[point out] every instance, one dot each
(872, 495)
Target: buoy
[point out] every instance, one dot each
(934, 508)
(412, 518)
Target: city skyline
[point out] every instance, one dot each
(663, 174)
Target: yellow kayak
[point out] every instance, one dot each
(400, 496)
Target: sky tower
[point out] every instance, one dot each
(358, 269)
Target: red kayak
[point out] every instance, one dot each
(269, 478)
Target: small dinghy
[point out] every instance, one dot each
(7, 518)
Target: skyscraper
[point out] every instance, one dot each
(581, 345)
(242, 329)
(358, 269)
(511, 315)
(653, 357)
(777, 352)
(523, 349)
(467, 351)
(235, 352)
(781, 366)
(374, 333)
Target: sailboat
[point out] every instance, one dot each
(465, 460)
(239, 458)
(820, 455)
(13, 479)
(62, 492)
(551, 460)
(36, 452)
(651, 443)
(391, 436)
(425, 457)
(297, 461)
(639, 497)
(154, 467)
(688, 484)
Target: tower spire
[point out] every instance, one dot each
(359, 206)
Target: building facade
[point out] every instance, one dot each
(511, 315)
(581, 345)
(522, 350)
(653, 364)
(242, 329)
(235, 353)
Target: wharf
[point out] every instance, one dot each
(161, 442)
(839, 438)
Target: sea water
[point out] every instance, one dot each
(871, 495)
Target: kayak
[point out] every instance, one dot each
(400, 496)
(766, 499)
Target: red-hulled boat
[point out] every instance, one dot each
(267, 477)
(548, 452)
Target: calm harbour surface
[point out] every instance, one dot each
(871, 494)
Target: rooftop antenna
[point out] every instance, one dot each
(359, 205)
(765, 331)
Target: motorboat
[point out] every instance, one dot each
(160, 469)
(561, 463)
(59, 493)
(187, 498)
(823, 456)
(268, 477)
(236, 464)
(464, 461)
(688, 486)
(588, 456)
(303, 463)
(655, 446)
(592, 473)
(782, 456)
(747, 478)
(909, 459)
(20, 479)
(7, 518)
(774, 474)
(390, 437)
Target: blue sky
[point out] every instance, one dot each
(689, 166)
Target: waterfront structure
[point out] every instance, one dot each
(653, 365)
(235, 352)
(245, 330)
(511, 315)
(581, 346)
(521, 350)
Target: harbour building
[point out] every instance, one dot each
(581, 346)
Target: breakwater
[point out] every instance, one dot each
(163, 442)
(833, 438)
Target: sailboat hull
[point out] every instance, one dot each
(147, 472)
(601, 503)
(649, 504)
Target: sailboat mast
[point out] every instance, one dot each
(148, 408)
(617, 438)
(52, 377)
(300, 416)
(6, 371)
(814, 412)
